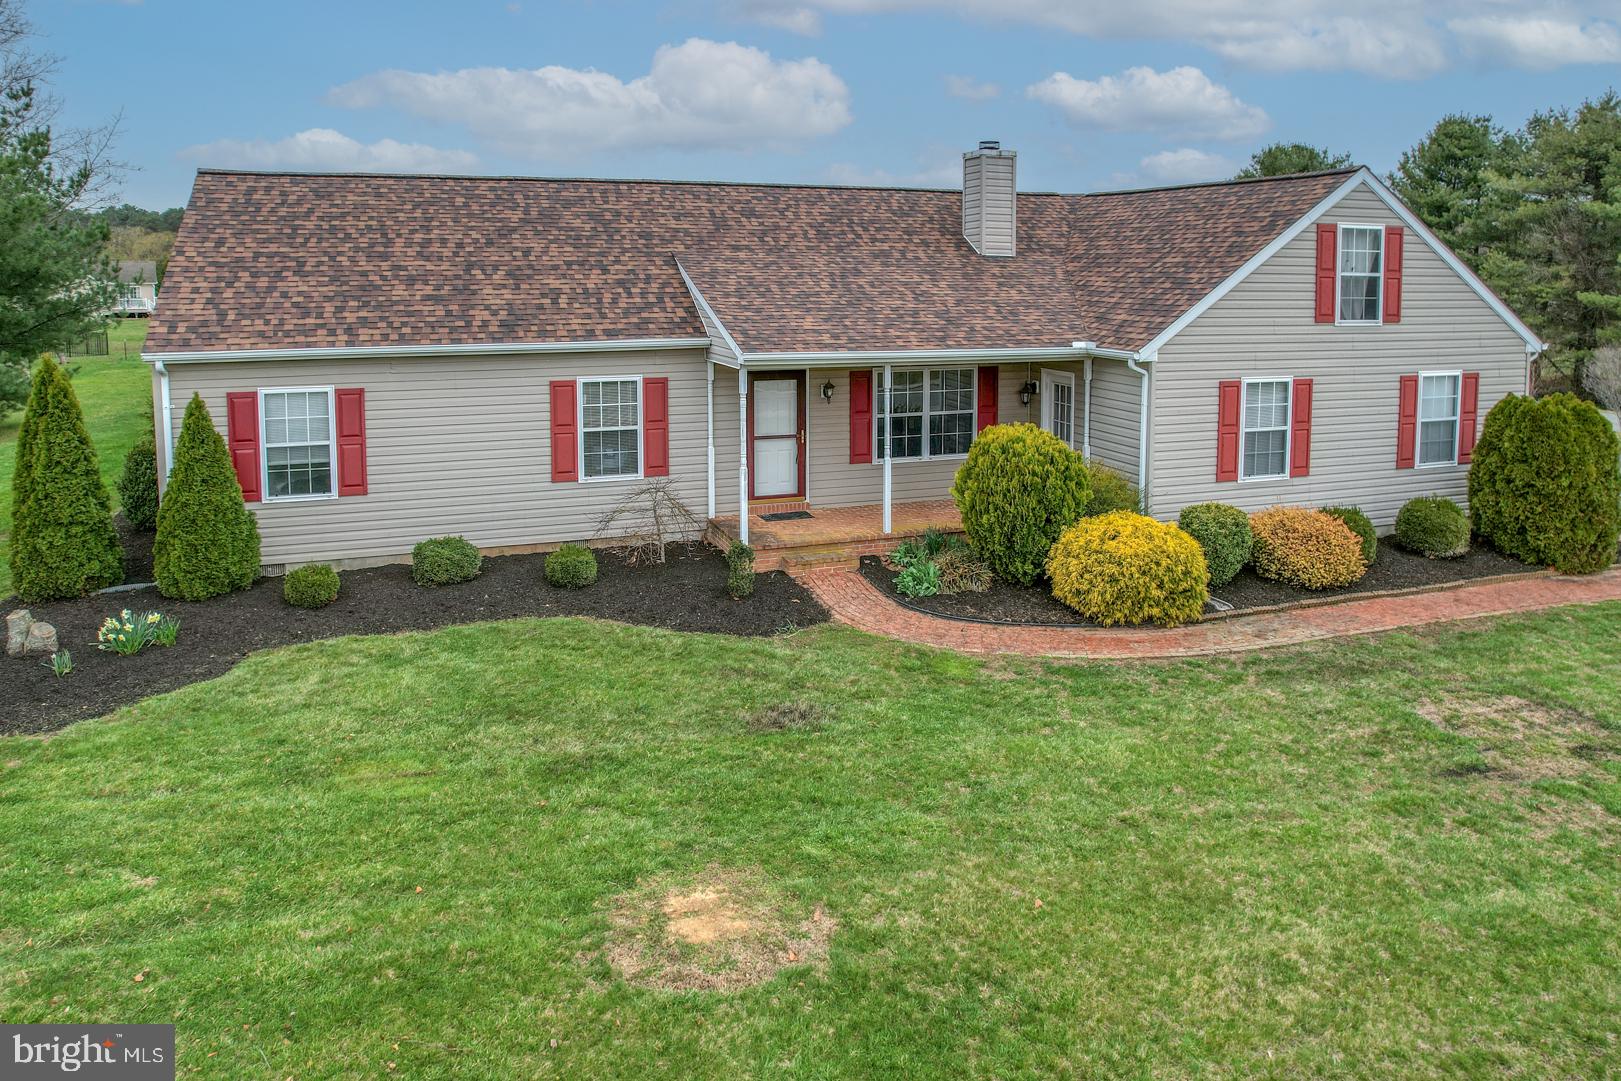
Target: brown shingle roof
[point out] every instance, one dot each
(309, 261)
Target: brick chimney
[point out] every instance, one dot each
(989, 203)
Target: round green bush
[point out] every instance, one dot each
(1127, 568)
(1111, 491)
(1358, 523)
(138, 484)
(573, 566)
(208, 541)
(312, 586)
(1018, 490)
(1545, 485)
(443, 561)
(1223, 533)
(1434, 527)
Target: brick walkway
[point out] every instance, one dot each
(856, 602)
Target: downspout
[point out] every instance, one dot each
(1086, 413)
(709, 417)
(742, 452)
(1142, 430)
(168, 418)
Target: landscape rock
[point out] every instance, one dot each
(41, 640)
(17, 624)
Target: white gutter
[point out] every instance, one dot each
(168, 417)
(384, 352)
(742, 455)
(902, 356)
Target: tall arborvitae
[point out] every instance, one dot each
(208, 540)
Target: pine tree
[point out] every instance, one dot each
(1281, 159)
(208, 540)
(63, 543)
(1446, 179)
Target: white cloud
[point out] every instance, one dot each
(1390, 38)
(323, 148)
(1182, 100)
(945, 175)
(1185, 166)
(1537, 43)
(699, 95)
(794, 18)
(971, 89)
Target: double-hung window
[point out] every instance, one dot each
(610, 428)
(1361, 273)
(1438, 418)
(931, 414)
(298, 443)
(1266, 428)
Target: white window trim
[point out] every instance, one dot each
(1050, 377)
(641, 426)
(332, 447)
(879, 412)
(1339, 249)
(1418, 422)
(1288, 426)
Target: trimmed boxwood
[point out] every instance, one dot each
(1223, 533)
(312, 586)
(63, 543)
(1127, 568)
(1434, 527)
(573, 566)
(1358, 523)
(1545, 484)
(443, 561)
(1018, 490)
(208, 540)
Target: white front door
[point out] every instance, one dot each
(776, 436)
(1058, 404)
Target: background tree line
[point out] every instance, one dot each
(1535, 211)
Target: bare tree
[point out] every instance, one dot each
(1603, 376)
(649, 519)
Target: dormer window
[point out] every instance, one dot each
(1361, 273)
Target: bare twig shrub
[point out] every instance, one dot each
(648, 519)
(1603, 376)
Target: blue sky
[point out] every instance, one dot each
(1092, 95)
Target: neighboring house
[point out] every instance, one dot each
(137, 287)
(397, 357)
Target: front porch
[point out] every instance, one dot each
(831, 536)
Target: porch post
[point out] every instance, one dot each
(889, 446)
(742, 454)
(1086, 414)
(709, 417)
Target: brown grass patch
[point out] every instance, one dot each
(787, 717)
(716, 931)
(1522, 740)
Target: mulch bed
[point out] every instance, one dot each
(686, 593)
(1392, 569)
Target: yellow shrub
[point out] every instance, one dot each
(1127, 568)
(1305, 548)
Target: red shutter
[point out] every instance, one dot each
(656, 427)
(1300, 433)
(1327, 268)
(1230, 403)
(242, 438)
(350, 404)
(1393, 245)
(1468, 407)
(987, 397)
(860, 417)
(565, 431)
(1407, 422)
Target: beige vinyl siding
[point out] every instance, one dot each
(1117, 404)
(1265, 328)
(456, 445)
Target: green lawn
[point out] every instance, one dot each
(114, 392)
(395, 856)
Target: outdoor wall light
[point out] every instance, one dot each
(1028, 391)
(827, 391)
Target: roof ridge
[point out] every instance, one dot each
(1345, 170)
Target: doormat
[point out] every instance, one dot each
(785, 516)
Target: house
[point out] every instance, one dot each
(137, 287)
(397, 357)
